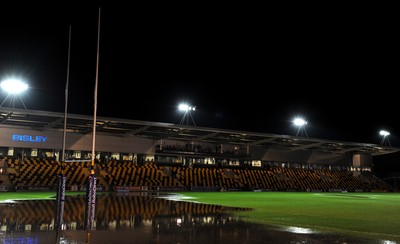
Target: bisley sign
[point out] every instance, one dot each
(28, 138)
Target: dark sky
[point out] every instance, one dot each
(251, 68)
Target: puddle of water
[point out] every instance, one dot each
(126, 218)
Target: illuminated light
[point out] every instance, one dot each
(301, 123)
(385, 137)
(185, 108)
(384, 133)
(14, 86)
(388, 242)
(299, 230)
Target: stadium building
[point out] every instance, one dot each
(37, 137)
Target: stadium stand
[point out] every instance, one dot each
(151, 156)
(41, 174)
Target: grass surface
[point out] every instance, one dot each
(376, 215)
(6, 196)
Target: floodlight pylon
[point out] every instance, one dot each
(187, 115)
(300, 123)
(385, 138)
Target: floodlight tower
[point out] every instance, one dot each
(186, 109)
(301, 123)
(14, 88)
(385, 134)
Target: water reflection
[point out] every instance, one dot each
(128, 218)
(113, 212)
(299, 230)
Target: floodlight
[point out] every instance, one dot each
(385, 137)
(186, 109)
(299, 122)
(384, 133)
(14, 88)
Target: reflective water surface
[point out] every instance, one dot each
(138, 218)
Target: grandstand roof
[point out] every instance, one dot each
(42, 120)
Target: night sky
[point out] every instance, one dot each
(250, 68)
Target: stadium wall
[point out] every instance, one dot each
(52, 139)
(301, 156)
(22, 137)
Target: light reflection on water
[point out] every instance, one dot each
(299, 230)
(135, 218)
(388, 242)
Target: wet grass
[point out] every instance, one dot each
(375, 215)
(6, 196)
(372, 215)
